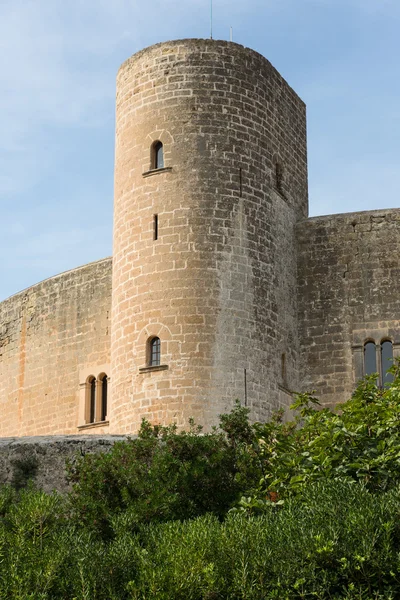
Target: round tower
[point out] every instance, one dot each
(210, 179)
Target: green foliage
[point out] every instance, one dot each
(359, 441)
(160, 517)
(24, 470)
(162, 475)
(336, 541)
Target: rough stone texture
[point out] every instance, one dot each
(239, 280)
(51, 454)
(218, 286)
(48, 334)
(349, 292)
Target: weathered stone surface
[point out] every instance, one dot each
(219, 285)
(51, 454)
(49, 333)
(249, 298)
(349, 292)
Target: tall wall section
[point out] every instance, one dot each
(349, 293)
(218, 286)
(50, 335)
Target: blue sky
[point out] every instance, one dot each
(58, 62)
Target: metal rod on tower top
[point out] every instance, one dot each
(211, 18)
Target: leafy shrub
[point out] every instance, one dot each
(319, 517)
(335, 541)
(162, 475)
(338, 541)
(358, 441)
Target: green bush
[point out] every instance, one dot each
(358, 441)
(335, 541)
(162, 475)
(338, 541)
(159, 517)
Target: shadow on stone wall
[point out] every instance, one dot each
(42, 459)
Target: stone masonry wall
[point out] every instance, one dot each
(218, 286)
(50, 455)
(49, 335)
(349, 292)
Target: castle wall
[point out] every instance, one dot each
(51, 335)
(218, 285)
(349, 292)
(43, 459)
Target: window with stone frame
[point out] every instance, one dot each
(154, 352)
(386, 356)
(157, 155)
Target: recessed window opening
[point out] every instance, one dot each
(369, 358)
(279, 177)
(92, 401)
(155, 352)
(104, 392)
(157, 156)
(386, 361)
(283, 366)
(155, 227)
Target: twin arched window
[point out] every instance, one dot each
(157, 155)
(96, 398)
(378, 359)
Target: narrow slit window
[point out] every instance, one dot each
(386, 361)
(155, 227)
(279, 177)
(104, 392)
(92, 404)
(283, 366)
(370, 358)
(155, 352)
(158, 152)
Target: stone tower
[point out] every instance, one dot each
(210, 180)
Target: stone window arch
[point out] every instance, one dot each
(157, 155)
(154, 352)
(94, 392)
(102, 397)
(386, 361)
(90, 403)
(370, 366)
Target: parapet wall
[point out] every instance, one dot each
(349, 292)
(50, 335)
(49, 454)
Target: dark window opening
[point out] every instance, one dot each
(155, 227)
(158, 154)
(104, 392)
(92, 405)
(283, 367)
(386, 361)
(369, 358)
(155, 352)
(279, 177)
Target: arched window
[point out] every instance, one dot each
(103, 388)
(370, 358)
(92, 400)
(157, 158)
(155, 352)
(386, 361)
